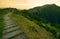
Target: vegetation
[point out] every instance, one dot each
(47, 16)
(36, 22)
(31, 29)
(1, 27)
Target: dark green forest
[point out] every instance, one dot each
(47, 16)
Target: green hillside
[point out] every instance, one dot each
(31, 29)
(47, 16)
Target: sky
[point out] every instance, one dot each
(26, 4)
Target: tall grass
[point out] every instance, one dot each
(31, 29)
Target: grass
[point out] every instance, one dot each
(31, 29)
(54, 29)
(1, 27)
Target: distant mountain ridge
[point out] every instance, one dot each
(49, 12)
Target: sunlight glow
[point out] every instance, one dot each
(26, 4)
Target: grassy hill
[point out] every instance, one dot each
(47, 16)
(31, 29)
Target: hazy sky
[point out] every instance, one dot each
(25, 4)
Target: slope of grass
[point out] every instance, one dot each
(31, 29)
(54, 29)
(1, 27)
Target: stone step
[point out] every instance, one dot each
(10, 22)
(12, 34)
(9, 26)
(11, 29)
(18, 36)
